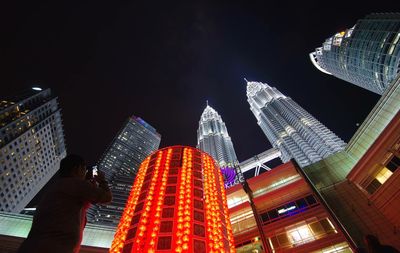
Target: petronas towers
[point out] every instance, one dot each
(287, 126)
(213, 138)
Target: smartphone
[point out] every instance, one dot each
(94, 172)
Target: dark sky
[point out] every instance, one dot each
(107, 60)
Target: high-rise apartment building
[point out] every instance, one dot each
(213, 138)
(289, 128)
(367, 55)
(31, 146)
(177, 204)
(134, 142)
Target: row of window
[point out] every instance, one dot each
(301, 233)
(288, 209)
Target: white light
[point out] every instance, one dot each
(284, 210)
(36, 88)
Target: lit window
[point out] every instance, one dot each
(383, 175)
(300, 235)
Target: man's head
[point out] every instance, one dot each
(73, 166)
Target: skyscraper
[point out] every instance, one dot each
(289, 128)
(136, 140)
(31, 146)
(213, 138)
(177, 204)
(367, 55)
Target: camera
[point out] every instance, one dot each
(94, 172)
(91, 172)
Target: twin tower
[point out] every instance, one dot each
(288, 127)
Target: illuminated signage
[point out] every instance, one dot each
(284, 210)
(229, 175)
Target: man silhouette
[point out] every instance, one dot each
(61, 214)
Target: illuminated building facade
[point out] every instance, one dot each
(279, 212)
(134, 142)
(361, 184)
(289, 128)
(213, 138)
(31, 146)
(367, 55)
(177, 204)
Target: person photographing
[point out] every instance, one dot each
(61, 214)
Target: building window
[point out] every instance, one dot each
(288, 209)
(197, 174)
(139, 207)
(393, 164)
(200, 246)
(198, 216)
(132, 232)
(198, 193)
(164, 242)
(198, 204)
(165, 227)
(168, 212)
(300, 235)
(383, 175)
(197, 167)
(172, 180)
(148, 177)
(173, 171)
(170, 189)
(142, 196)
(169, 201)
(177, 163)
(199, 230)
(198, 183)
(135, 219)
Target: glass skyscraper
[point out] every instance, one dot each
(289, 128)
(31, 146)
(367, 55)
(135, 141)
(213, 138)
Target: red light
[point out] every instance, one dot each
(166, 215)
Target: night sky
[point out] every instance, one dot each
(107, 60)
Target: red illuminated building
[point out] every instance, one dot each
(177, 204)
